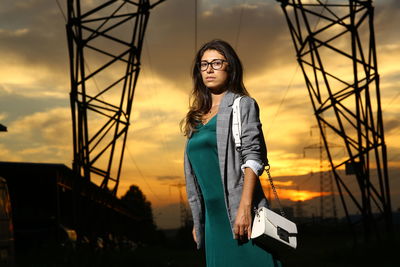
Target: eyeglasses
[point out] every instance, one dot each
(216, 64)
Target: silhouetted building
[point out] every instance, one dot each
(49, 204)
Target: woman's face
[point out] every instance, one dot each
(214, 73)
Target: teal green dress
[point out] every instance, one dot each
(220, 247)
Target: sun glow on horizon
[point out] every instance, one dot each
(293, 194)
(300, 195)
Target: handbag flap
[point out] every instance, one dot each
(278, 220)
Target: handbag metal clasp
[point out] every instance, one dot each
(283, 234)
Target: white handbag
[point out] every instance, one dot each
(270, 229)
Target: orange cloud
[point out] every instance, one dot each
(300, 195)
(287, 183)
(292, 194)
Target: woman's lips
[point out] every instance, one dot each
(210, 78)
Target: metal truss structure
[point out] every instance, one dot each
(105, 40)
(335, 48)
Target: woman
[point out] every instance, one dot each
(222, 183)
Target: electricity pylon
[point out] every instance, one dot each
(105, 42)
(335, 48)
(327, 203)
(182, 205)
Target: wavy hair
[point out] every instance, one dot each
(200, 98)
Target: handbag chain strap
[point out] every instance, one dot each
(237, 132)
(267, 167)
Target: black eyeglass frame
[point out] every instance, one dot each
(212, 64)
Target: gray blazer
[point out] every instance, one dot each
(253, 149)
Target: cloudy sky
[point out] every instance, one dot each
(34, 92)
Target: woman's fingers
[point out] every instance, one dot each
(249, 232)
(242, 226)
(246, 232)
(236, 231)
(242, 231)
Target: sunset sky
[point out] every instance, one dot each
(34, 93)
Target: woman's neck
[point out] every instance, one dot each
(216, 98)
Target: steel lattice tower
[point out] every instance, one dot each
(335, 48)
(105, 42)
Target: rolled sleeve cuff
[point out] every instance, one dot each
(254, 165)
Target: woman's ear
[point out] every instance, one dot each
(229, 68)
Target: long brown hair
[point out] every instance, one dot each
(200, 97)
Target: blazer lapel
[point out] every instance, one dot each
(223, 125)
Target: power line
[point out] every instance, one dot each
(391, 101)
(195, 26)
(141, 174)
(240, 24)
(291, 80)
(282, 100)
(61, 10)
(150, 68)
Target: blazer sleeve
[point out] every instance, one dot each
(195, 200)
(254, 151)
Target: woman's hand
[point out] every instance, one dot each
(242, 226)
(194, 235)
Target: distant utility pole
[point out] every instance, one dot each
(327, 203)
(184, 216)
(299, 207)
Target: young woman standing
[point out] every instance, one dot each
(222, 184)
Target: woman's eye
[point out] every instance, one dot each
(217, 63)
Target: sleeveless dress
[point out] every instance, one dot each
(220, 247)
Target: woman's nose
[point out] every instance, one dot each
(210, 69)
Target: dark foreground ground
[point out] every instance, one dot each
(319, 245)
(334, 245)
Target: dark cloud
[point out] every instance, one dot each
(263, 40)
(168, 177)
(15, 106)
(155, 113)
(34, 32)
(386, 22)
(391, 78)
(293, 101)
(40, 137)
(393, 155)
(392, 125)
